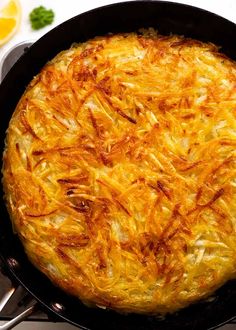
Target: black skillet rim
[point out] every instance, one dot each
(16, 269)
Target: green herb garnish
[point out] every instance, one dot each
(40, 17)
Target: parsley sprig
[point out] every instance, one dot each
(40, 17)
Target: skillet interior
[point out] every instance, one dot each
(167, 18)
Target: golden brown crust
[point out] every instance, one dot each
(119, 171)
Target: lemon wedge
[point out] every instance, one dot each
(10, 17)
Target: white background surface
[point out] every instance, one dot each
(65, 9)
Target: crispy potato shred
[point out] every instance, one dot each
(120, 174)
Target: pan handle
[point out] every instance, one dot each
(6, 298)
(11, 56)
(232, 321)
(19, 318)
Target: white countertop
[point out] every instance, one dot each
(69, 8)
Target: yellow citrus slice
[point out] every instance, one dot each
(10, 17)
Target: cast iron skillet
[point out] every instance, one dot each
(168, 18)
